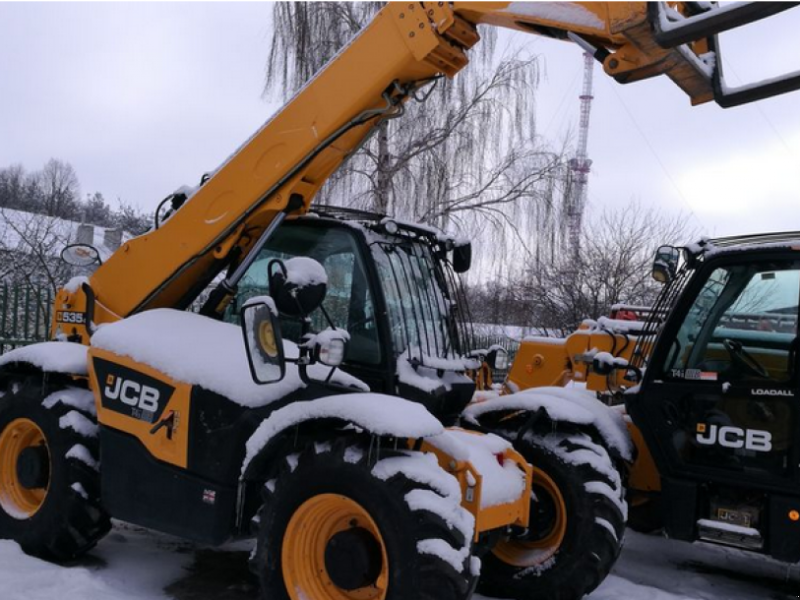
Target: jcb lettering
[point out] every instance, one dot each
(731, 437)
(129, 392)
(760, 441)
(734, 437)
(133, 394)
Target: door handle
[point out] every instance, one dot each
(168, 422)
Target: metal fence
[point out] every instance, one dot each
(25, 313)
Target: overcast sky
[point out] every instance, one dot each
(142, 98)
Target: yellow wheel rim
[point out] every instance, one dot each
(531, 553)
(318, 523)
(17, 500)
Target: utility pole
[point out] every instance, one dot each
(580, 165)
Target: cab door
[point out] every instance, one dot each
(350, 299)
(721, 390)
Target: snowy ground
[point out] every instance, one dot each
(132, 564)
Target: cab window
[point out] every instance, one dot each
(348, 301)
(742, 325)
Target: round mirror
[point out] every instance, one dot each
(81, 255)
(297, 285)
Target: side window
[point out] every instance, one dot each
(419, 316)
(741, 326)
(348, 301)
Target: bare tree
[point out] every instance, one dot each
(60, 189)
(30, 247)
(305, 37)
(131, 218)
(13, 182)
(467, 158)
(615, 267)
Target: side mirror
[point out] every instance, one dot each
(665, 264)
(497, 358)
(462, 258)
(297, 286)
(262, 339)
(81, 255)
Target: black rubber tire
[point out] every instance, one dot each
(71, 520)
(595, 523)
(343, 468)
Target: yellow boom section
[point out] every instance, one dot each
(623, 29)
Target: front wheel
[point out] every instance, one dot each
(335, 526)
(49, 480)
(577, 523)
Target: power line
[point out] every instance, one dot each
(656, 156)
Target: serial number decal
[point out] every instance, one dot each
(694, 374)
(66, 316)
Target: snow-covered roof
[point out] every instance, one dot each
(17, 225)
(375, 222)
(764, 241)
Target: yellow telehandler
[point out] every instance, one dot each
(325, 424)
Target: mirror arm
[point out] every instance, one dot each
(636, 372)
(327, 316)
(330, 376)
(302, 369)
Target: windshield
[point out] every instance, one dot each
(747, 310)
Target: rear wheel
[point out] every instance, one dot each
(49, 484)
(576, 528)
(336, 527)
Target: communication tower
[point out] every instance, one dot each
(581, 164)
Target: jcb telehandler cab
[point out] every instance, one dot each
(709, 381)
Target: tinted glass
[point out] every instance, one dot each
(348, 301)
(742, 325)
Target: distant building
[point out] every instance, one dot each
(31, 246)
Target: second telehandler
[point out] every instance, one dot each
(708, 381)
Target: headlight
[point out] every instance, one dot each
(331, 352)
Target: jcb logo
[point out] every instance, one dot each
(734, 437)
(132, 393)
